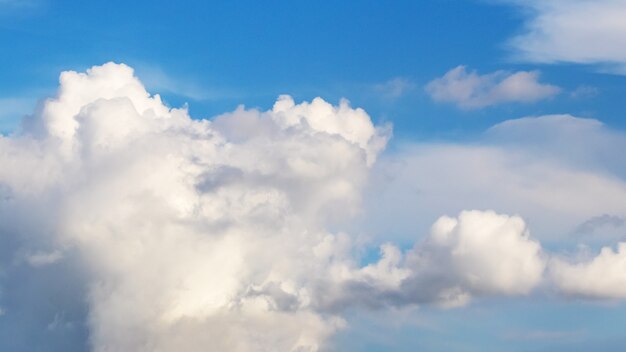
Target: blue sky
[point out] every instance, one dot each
(458, 141)
(225, 54)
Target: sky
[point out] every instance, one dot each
(440, 175)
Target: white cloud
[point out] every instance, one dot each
(191, 231)
(603, 276)
(478, 253)
(492, 253)
(577, 31)
(560, 171)
(469, 90)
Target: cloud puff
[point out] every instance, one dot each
(488, 253)
(469, 90)
(578, 31)
(603, 276)
(169, 233)
(476, 254)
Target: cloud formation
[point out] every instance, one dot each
(178, 233)
(187, 225)
(469, 90)
(576, 31)
(476, 254)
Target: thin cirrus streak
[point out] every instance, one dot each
(195, 233)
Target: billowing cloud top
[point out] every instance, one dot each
(190, 222)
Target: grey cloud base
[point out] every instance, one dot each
(186, 233)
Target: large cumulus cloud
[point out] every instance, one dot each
(187, 225)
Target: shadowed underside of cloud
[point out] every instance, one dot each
(192, 234)
(469, 90)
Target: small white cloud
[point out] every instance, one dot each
(469, 90)
(601, 277)
(477, 253)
